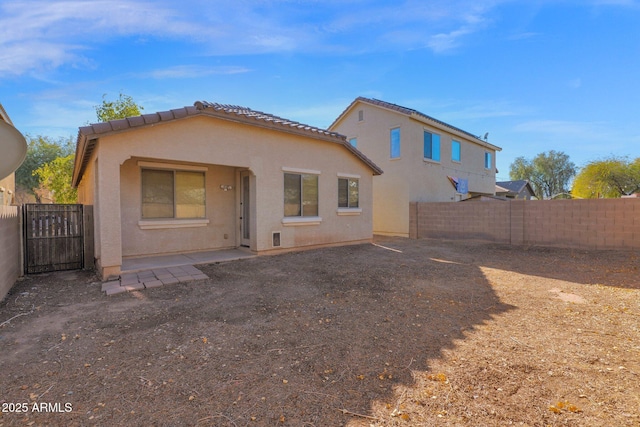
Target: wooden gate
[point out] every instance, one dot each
(53, 238)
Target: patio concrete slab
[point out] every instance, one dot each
(130, 265)
(154, 272)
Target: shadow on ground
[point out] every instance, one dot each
(310, 338)
(602, 267)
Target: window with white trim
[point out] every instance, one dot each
(172, 194)
(431, 146)
(348, 193)
(487, 160)
(455, 151)
(394, 142)
(300, 195)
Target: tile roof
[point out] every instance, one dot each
(87, 135)
(411, 112)
(95, 130)
(259, 116)
(232, 112)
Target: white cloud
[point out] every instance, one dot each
(440, 43)
(194, 71)
(68, 32)
(48, 34)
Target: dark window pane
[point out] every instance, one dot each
(157, 194)
(343, 193)
(292, 195)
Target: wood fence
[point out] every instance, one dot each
(53, 238)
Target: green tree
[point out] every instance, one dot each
(548, 173)
(122, 108)
(55, 176)
(40, 151)
(608, 178)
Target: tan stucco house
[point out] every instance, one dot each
(13, 148)
(424, 159)
(214, 176)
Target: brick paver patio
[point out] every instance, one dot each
(152, 279)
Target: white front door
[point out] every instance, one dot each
(245, 208)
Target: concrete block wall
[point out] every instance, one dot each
(483, 221)
(588, 224)
(10, 249)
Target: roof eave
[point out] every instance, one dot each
(416, 115)
(89, 135)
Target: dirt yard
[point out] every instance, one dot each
(406, 333)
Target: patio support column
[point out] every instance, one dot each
(108, 212)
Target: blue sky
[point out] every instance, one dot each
(536, 74)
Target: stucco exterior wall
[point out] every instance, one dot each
(7, 190)
(225, 148)
(411, 177)
(10, 249)
(220, 212)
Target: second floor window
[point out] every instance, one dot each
(455, 151)
(394, 142)
(487, 160)
(432, 146)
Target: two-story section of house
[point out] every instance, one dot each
(424, 159)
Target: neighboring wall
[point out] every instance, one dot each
(588, 224)
(10, 252)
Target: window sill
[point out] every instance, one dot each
(172, 223)
(293, 221)
(428, 160)
(349, 211)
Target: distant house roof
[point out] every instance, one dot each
(416, 115)
(88, 135)
(514, 187)
(484, 198)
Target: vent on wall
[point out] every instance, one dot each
(276, 239)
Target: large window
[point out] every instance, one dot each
(348, 193)
(300, 194)
(172, 194)
(487, 160)
(455, 151)
(394, 141)
(432, 146)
